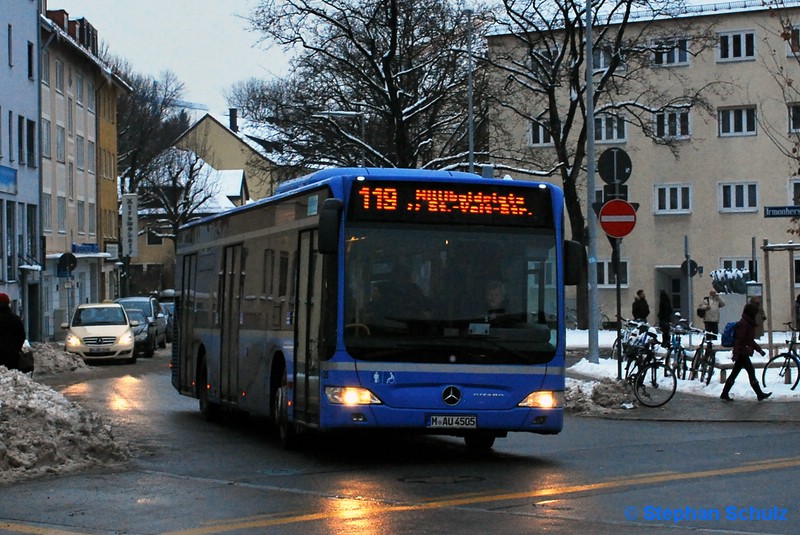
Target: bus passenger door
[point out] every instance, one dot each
(308, 346)
(230, 300)
(183, 372)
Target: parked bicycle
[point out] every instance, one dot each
(704, 359)
(655, 384)
(676, 353)
(783, 369)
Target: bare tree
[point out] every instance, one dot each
(397, 69)
(182, 188)
(149, 120)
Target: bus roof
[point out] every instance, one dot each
(327, 176)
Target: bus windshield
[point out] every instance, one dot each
(451, 294)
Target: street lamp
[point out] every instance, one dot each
(470, 120)
(361, 116)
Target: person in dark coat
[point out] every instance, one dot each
(12, 334)
(744, 343)
(640, 309)
(664, 317)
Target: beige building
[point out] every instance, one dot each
(710, 197)
(78, 166)
(225, 148)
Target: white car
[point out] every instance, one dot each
(101, 331)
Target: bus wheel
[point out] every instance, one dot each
(479, 441)
(280, 413)
(208, 409)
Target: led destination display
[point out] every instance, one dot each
(451, 203)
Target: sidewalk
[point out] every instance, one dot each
(689, 407)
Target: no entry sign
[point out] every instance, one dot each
(617, 218)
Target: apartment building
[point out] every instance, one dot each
(78, 163)
(706, 195)
(19, 160)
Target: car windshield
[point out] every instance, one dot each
(140, 304)
(99, 316)
(136, 314)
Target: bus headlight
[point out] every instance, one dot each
(543, 400)
(350, 395)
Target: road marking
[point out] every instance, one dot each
(361, 508)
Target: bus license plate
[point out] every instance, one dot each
(453, 421)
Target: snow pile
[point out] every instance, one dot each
(597, 397)
(43, 432)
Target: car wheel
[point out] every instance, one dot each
(151, 350)
(163, 343)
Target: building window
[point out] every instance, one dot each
(47, 212)
(61, 144)
(45, 69)
(21, 140)
(71, 181)
(609, 128)
(673, 124)
(540, 134)
(59, 76)
(794, 118)
(81, 217)
(91, 157)
(737, 46)
(10, 135)
(671, 52)
(737, 122)
(739, 197)
(62, 215)
(46, 139)
(31, 143)
(11, 244)
(605, 273)
(10, 45)
(92, 218)
(80, 152)
(90, 97)
(673, 199)
(79, 89)
(794, 191)
(31, 58)
(70, 116)
(153, 237)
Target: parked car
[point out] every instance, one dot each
(152, 308)
(144, 334)
(169, 311)
(101, 331)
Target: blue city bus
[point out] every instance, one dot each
(380, 299)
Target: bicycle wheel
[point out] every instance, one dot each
(681, 363)
(783, 369)
(707, 370)
(655, 385)
(694, 367)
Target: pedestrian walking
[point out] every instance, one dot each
(710, 307)
(640, 309)
(664, 317)
(744, 344)
(12, 334)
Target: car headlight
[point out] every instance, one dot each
(545, 399)
(72, 340)
(350, 395)
(126, 338)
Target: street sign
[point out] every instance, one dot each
(617, 218)
(614, 166)
(782, 211)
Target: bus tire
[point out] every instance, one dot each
(479, 441)
(208, 409)
(280, 411)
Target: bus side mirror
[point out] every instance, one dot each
(329, 220)
(574, 260)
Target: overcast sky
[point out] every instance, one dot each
(203, 42)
